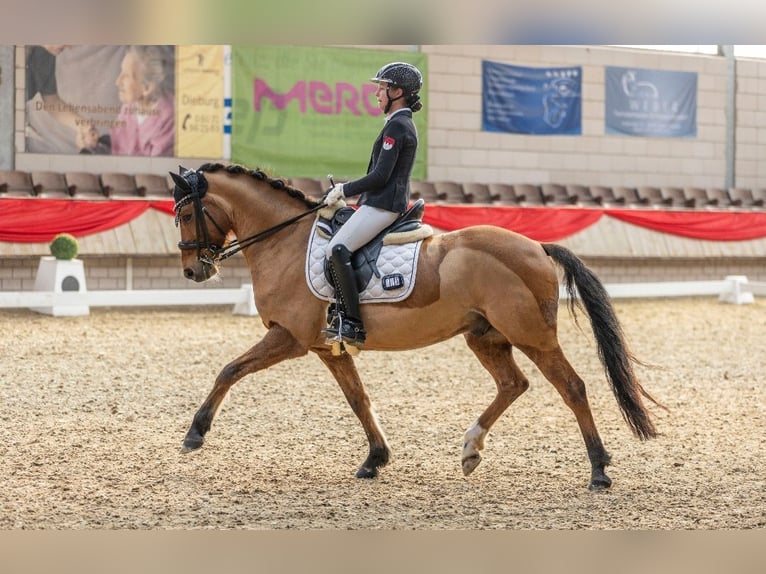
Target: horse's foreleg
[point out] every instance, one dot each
(277, 345)
(555, 367)
(343, 369)
(494, 353)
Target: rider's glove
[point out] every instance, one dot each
(335, 195)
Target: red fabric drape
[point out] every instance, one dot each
(711, 225)
(538, 223)
(164, 205)
(39, 220)
(553, 224)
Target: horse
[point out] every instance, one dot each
(496, 288)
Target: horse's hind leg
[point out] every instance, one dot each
(277, 345)
(343, 369)
(556, 368)
(494, 353)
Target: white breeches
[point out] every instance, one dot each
(363, 225)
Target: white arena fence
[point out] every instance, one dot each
(735, 289)
(63, 303)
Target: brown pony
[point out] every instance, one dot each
(496, 288)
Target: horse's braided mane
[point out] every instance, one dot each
(276, 183)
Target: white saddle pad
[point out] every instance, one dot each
(394, 261)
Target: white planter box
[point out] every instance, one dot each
(61, 276)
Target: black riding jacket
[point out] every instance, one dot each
(387, 183)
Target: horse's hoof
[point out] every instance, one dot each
(470, 463)
(351, 349)
(601, 483)
(335, 349)
(191, 444)
(365, 472)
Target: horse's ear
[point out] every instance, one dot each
(181, 170)
(180, 182)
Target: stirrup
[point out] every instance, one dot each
(346, 331)
(332, 329)
(353, 333)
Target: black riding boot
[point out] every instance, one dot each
(348, 321)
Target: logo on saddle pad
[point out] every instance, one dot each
(389, 278)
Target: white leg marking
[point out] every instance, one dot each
(473, 442)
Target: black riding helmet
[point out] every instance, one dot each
(404, 76)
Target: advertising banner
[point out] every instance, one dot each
(654, 103)
(199, 105)
(117, 100)
(311, 111)
(521, 100)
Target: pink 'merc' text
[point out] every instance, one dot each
(322, 98)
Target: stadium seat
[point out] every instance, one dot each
(50, 184)
(676, 197)
(653, 196)
(532, 194)
(84, 185)
(16, 183)
(745, 197)
(504, 193)
(582, 195)
(719, 197)
(759, 196)
(153, 185)
(480, 192)
(425, 190)
(451, 192)
(119, 185)
(605, 195)
(698, 197)
(630, 196)
(557, 194)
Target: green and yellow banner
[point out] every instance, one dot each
(307, 112)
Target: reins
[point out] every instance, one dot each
(236, 246)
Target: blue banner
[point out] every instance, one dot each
(654, 103)
(531, 100)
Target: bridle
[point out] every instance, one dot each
(191, 187)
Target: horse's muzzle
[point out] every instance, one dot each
(200, 271)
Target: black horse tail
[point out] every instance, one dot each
(613, 350)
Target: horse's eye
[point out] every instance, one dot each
(186, 218)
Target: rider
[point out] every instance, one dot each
(385, 191)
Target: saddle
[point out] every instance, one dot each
(407, 227)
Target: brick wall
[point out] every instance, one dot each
(18, 274)
(650, 270)
(110, 273)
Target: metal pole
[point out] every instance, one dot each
(731, 114)
(7, 111)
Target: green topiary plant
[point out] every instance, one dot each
(64, 246)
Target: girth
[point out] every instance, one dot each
(364, 259)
